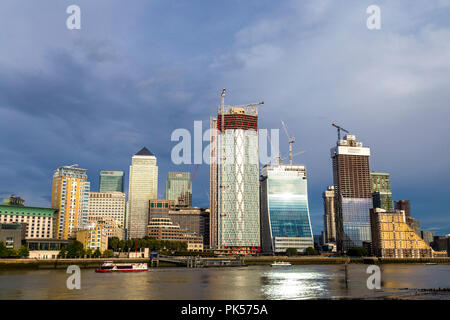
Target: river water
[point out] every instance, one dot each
(252, 282)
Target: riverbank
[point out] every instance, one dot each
(11, 264)
(266, 260)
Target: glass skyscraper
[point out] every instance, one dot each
(179, 188)
(111, 181)
(285, 221)
(353, 193)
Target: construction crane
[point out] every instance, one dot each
(339, 130)
(223, 106)
(291, 141)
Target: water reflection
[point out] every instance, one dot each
(295, 283)
(254, 282)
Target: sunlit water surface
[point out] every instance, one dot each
(253, 282)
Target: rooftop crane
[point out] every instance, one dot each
(278, 158)
(291, 141)
(339, 130)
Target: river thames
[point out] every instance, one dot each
(252, 283)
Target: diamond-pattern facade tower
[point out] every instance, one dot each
(235, 218)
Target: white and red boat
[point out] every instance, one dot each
(122, 267)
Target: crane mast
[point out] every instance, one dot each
(339, 130)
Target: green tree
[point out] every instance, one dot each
(357, 252)
(3, 250)
(97, 253)
(23, 252)
(75, 249)
(12, 253)
(89, 252)
(108, 253)
(113, 243)
(63, 252)
(291, 252)
(310, 251)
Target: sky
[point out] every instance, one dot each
(136, 71)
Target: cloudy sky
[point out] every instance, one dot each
(136, 72)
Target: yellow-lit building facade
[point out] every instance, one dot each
(93, 237)
(70, 195)
(393, 238)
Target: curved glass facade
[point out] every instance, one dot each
(284, 207)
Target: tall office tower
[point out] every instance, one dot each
(353, 194)
(381, 190)
(329, 217)
(236, 180)
(143, 186)
(70, 195)
(107, 205)
(179, 188)
(412, 223)
(111, 181)
(285, 221)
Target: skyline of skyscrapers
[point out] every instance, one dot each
(111, 181)
(351, 176)
(179, 188)
(143, 187)
(70, 195)
(285, 220)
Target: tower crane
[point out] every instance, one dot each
(339, 130)
(291, 141)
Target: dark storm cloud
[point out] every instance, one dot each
(134, 73)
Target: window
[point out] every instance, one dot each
(9, 243)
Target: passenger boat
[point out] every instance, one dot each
(110, 266)
(280, 264)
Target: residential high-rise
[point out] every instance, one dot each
(381, 190)
(179, 188)
(111, 181)
(329, 217)
(285, 221)
(235, 180)
(143, 186)
(353, 193)
(70, 195)
(393, 238)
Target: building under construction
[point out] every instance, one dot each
(234, 179)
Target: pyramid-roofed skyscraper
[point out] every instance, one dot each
(143, 186)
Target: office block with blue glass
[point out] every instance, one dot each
(285, 221)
